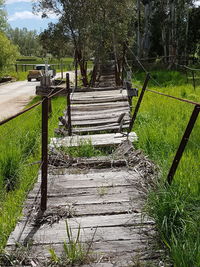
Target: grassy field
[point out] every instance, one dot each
(160, 125)
(19, 155)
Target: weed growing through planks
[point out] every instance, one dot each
(74, 251)
(85, 149)
(102, 191)
(160, 125)
(20, 256)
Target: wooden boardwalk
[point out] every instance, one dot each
(105, 202)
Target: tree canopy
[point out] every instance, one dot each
(8, 53)
(27, 41)
(103, 29)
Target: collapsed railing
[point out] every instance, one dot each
(46, 110)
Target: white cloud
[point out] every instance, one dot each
(7, 2)
(197, 3)
(28, 15)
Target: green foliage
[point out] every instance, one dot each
(27, 41)
(160, 125)
(8, 54)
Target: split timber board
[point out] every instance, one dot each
(97, 140)
(119, 231)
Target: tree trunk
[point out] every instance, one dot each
(83, 67)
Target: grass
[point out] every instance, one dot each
(85, 149)
(160, 125)
(19, 151)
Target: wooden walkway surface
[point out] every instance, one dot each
(107, 203)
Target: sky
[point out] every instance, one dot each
(19, 14)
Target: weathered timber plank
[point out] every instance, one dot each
(99, 117)
(93, 107)
(54, 188)
(99, 100)
(98, 140)
(112, 128)
(112, 250)
(93, 122)
(62, 201)
(101, 94)
(97, 112)
(47, 233)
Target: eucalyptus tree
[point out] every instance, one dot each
(165, 25)
(74, 22)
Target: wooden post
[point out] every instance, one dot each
(68, 105)
(193, 79)
(44, 174)
(139, 102)
(183, 143)
(76, 73)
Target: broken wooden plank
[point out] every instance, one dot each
(110, 127)
(98, 140)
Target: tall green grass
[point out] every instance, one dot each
(20, 145)
(160, 125)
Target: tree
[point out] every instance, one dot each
(8, 53)
(27, 41)
(94, 27)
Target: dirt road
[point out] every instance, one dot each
(14, 96)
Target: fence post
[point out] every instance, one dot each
(68, 105)
(139, 102)
(183, 143)
(193, 79)
(76, 73)
(44, 174)
(16, 68)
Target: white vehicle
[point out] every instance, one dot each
(50, 72)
